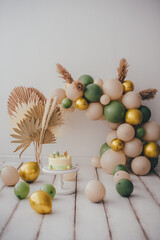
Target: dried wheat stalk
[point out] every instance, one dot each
(122, 70)
(148, 94)
(64, 73)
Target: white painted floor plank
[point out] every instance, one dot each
(25, 220)
(146, 209)
(157, 169)
(90, 217)
(122, 220)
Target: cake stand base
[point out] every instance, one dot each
(60, 188)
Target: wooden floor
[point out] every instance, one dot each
(74, 217)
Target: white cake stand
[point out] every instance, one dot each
(60, 189)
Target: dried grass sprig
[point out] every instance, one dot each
(122, 70)
(64, 73)
(79, 86)
(148, 94)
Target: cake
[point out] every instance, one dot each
(59, 161)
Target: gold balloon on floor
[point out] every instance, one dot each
(29, 171)
(133, 117)
(41, 202)
(81, 104)
(128, 86)
(151, 150)
(116, 144)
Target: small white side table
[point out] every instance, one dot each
(60, 189)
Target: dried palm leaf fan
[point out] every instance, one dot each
(34, 119)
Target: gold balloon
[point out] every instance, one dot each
(81, 103)
(116, 144)
(151, 150)
(41, 202)
(133, 117)
(29, 171)
(128, 86)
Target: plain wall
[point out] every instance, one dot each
(87, 37)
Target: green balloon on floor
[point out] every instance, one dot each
(124, 187)
(120, 167)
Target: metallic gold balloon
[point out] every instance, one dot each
(116, 144)
(29, 171)
(128, 86)
(41, 202)
(133, 117)
(81, 104)
(151, 150)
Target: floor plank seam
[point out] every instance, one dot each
(156, 174)
(38, 232)
(149, 191)
(9, 219)
(105, 210)
(75, 208)
(144, 232)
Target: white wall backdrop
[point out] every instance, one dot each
(87, 37)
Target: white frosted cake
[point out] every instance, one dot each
(59, 161)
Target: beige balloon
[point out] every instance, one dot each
(133, 148)
(60, 94)
(9, 176)
(105, 99)
(69, 176)
(125, 132)
(95, 191)
(113, 88)
(110, 136)
(99, 82)
(111, 158)
(152, 131)
(131, 100)
(141, 165)
(113, 126)
(94, 111)
(96, 162)
(73, 93)
(121, 175)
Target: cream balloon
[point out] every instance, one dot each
(133, 148)
(131, 100)
(113, 88)
(141, 165)
(94, 111)
(9, 176)
(105, 99)
(95, 161)
(99, 82)
(69, 176)
(95, 191)
(125, 132)
(121, 175)
(60, 94)
(110, 136)
(110, 159)
(73, 93)
(152, 131)
(113, 126)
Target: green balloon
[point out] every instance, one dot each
(114, 112)
(146, 112)
(124, 187)
(49, 188)
(140, 132)
(93, 92)
(120, 167)
(86, 79)
(66, 103)
(154, 162)
(21, 190)
(103, 148)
